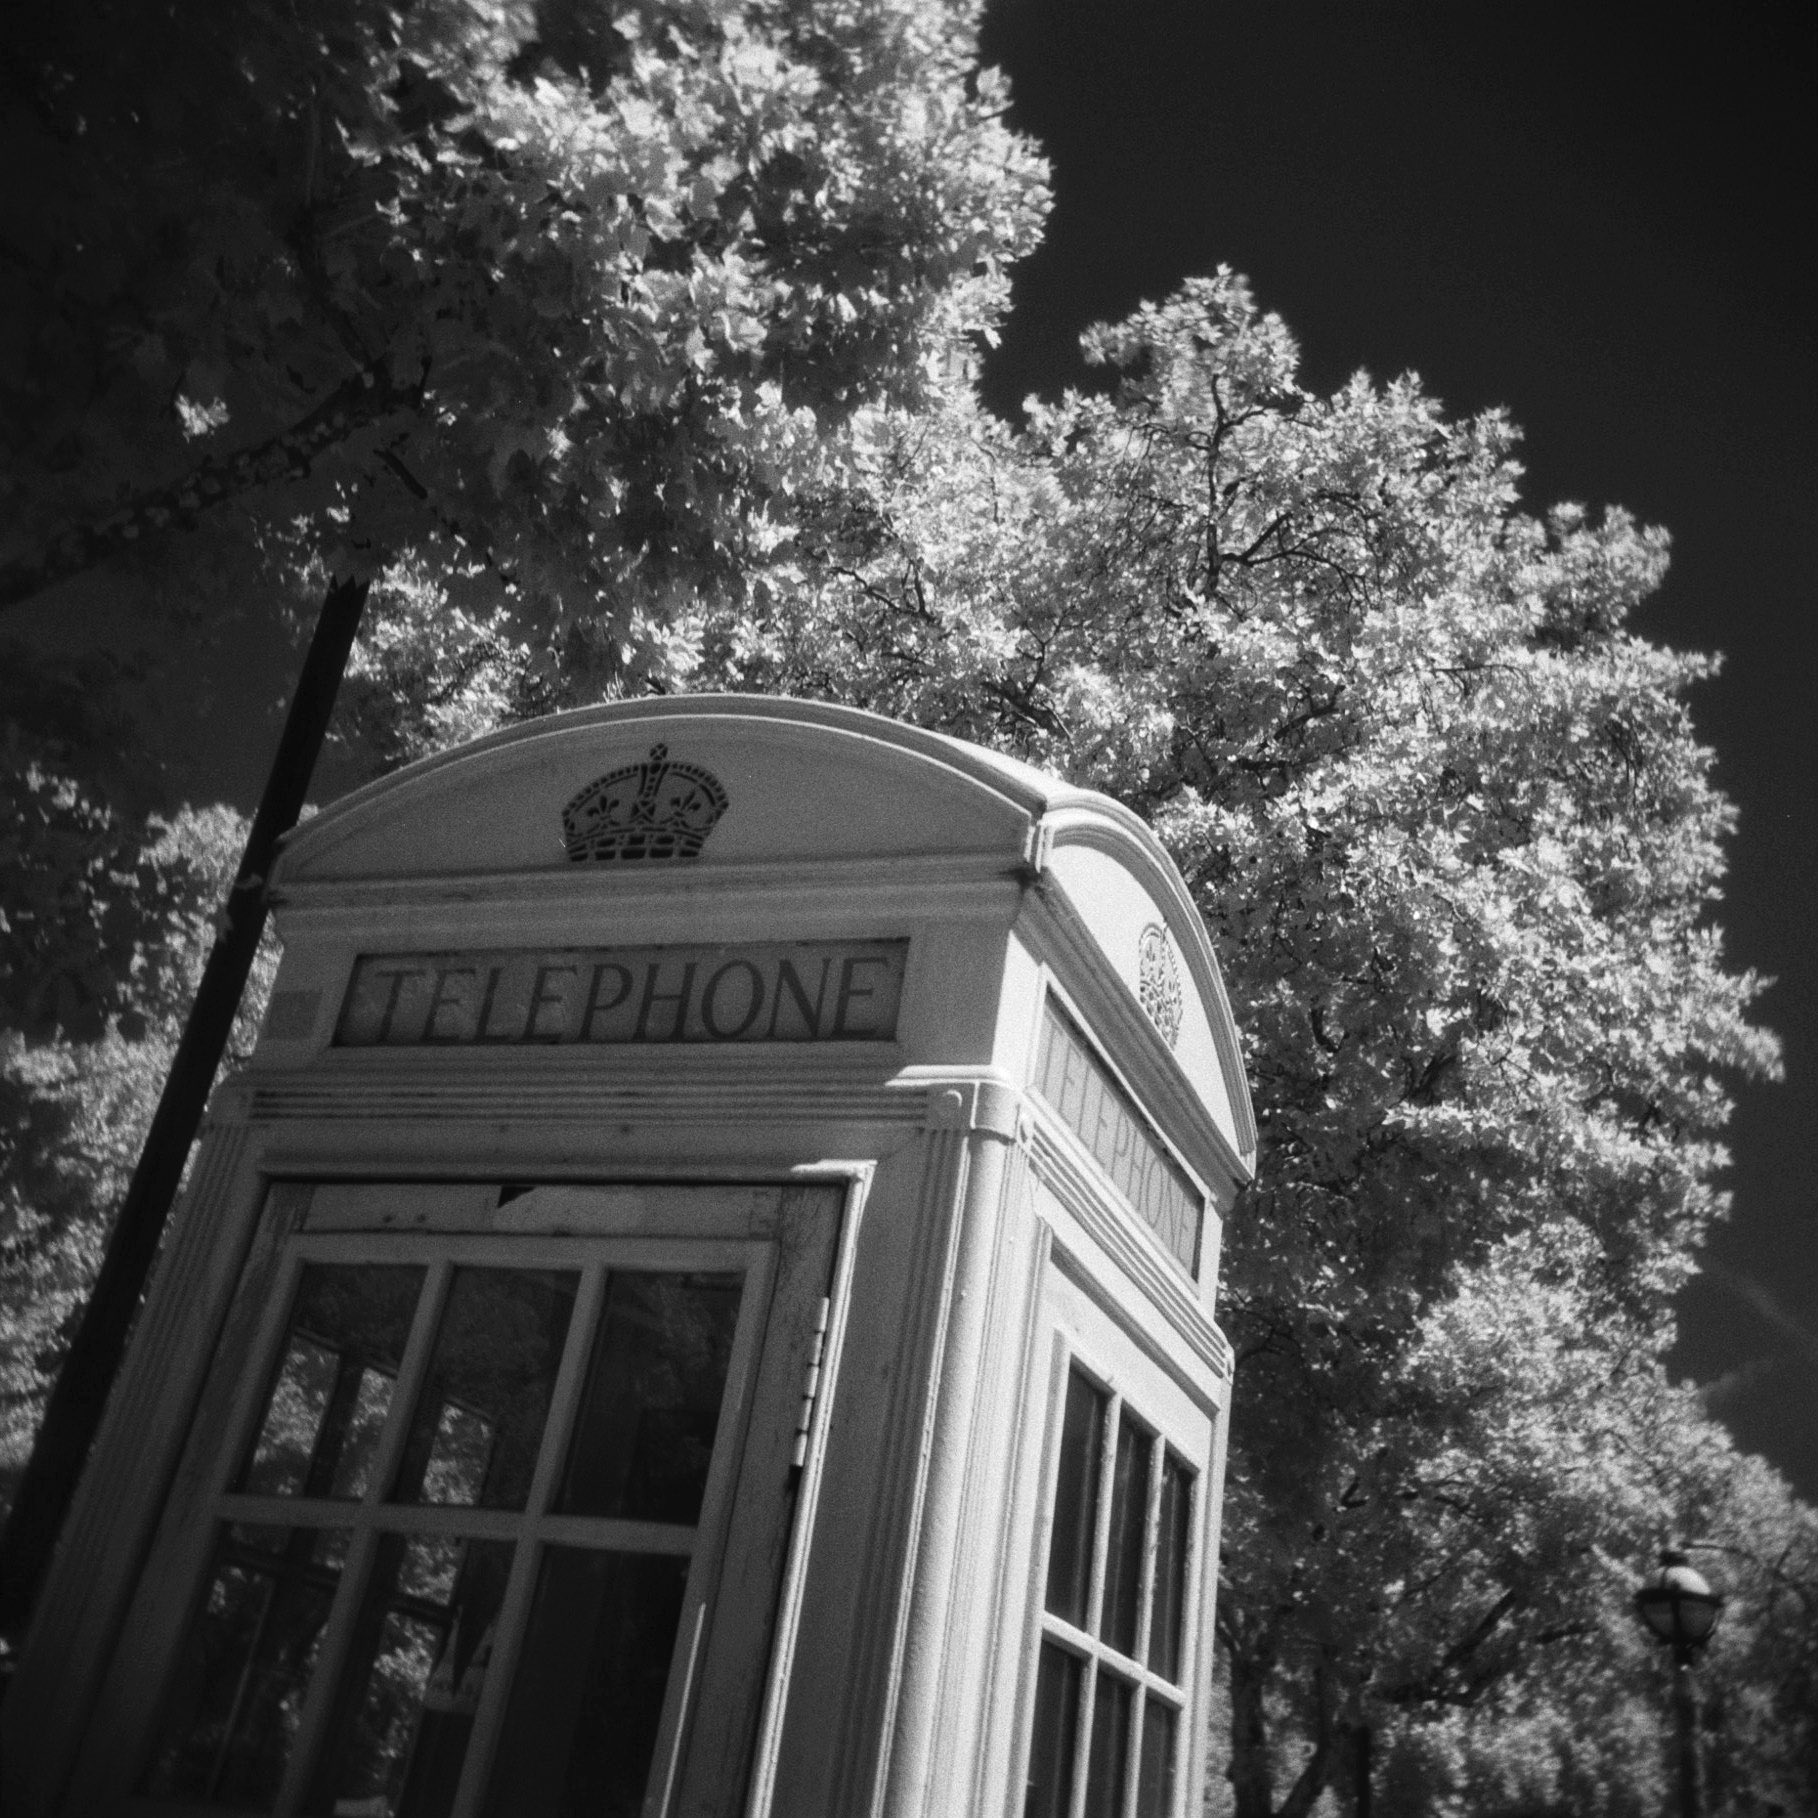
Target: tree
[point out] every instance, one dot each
(565, 293)
(547, 315)
(1544, 1454)
(1448, 824)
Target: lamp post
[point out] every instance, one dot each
(1681, 1610)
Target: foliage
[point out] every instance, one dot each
(545, 314)
(1456, 844)
(1549, 1452)
(78, 892)
(568, 296)
(73, 1112)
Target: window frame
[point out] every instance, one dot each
(203, 1502)
(1086, 1335)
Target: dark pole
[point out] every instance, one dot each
(1681, 1610)
(1365, 1771)
(73, 1414)
(1685, 1709)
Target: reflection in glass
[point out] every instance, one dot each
(1110, 1747)
(332, 1391)
(371, 1403)
(587, 1697)
(479, 1418)
(1155, 1773)
(1075, 1502)
(416, 1666)
(1124, 1544)
(1049, 1786)
(459, 1452)
(1172, 1535)
(651, 1406)
(237, 1693)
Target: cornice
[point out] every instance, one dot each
(442, 1094)
(905, 884)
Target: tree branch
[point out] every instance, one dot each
(1431, 1686)
(289, 455)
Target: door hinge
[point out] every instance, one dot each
(811, 1389)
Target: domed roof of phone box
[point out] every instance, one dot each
(799, 783)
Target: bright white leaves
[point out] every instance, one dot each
(1456, 844)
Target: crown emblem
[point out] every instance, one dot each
(1158, 982)
(654, 810)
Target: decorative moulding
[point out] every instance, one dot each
(1160, 988)
(658, 808)
(1057, 935)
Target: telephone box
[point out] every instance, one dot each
(701, 1304)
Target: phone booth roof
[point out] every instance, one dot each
(758, 788)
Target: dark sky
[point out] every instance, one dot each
(1602, 219)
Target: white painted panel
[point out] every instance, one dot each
(792, 792)
(1117, 909)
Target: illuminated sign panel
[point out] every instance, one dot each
(827, 991)
(1071, 1077)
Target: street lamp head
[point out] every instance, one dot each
(1679, 1607)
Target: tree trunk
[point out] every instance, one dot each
(1316, 1770)
(288, 455)
(1252, 1778)
(1252, 1770)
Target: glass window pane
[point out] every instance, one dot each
(1054, 1734)
(651, 1406)
(416, 1667)
(587, 1696)
(332, 1390)
(371, 1403)
(237, 1694)
(1124, 1545)
(479, 1420)
(1173, 1535)
(1155, 1774)
(1075, 1501)
(1110, 1748)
